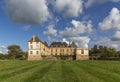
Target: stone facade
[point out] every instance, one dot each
(38, 49)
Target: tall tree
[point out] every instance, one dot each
(14, 51)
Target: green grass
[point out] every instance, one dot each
(59, 71)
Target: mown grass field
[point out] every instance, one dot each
(59, 71)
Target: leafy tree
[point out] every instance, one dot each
(14, 51)
(103, 51)
(1, 56)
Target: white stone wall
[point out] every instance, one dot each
(33, 47)
(34, 52)
(86, 52)
(79, 51)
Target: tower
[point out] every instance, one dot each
(34, 49)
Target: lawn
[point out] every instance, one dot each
(59, 71)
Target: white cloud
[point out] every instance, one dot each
(27, 27)
(107, 42)
(82, 42)
(65, 40)
(3, 49)
(78, 28)
(116, 37)
(27, 11)
(91, 2)
(70, 8)
(51, 31)
(111, 22)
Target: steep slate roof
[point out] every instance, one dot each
(53, 44)
(73, 45)
(45, 43)
(36, 39)
(59, 44)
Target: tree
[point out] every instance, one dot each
(103, 52)
(14, 51)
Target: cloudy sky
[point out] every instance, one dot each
(86, 22)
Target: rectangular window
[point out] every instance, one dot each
(31, 46)
(67, 50)
(51, 50)
(36, 42)
(31, 52)
(82, 52)
(60, 50)
(37, 52)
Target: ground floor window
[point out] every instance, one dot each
(37, 52)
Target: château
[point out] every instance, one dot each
(38, 50)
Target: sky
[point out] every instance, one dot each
(86, 22)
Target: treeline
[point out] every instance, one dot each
(103, 52)
(14, 52)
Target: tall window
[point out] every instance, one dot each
(51, 50)
(82, 52)
(31, 52)
(37, 52)
(36, 42)
(43, 49)
(67, 50)
(60, 50)
(31, 46)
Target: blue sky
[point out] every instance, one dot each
(86, 22)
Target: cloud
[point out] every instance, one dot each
(65, 40)
(70, 8)
(27, 11)
(78, 28)
(51, 31)
(108, 42)
(3, 49)
(82, 42)
(116, 37)
(27, 27)
(91, 2)
(111, 22)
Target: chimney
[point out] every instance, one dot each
(33, 38)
